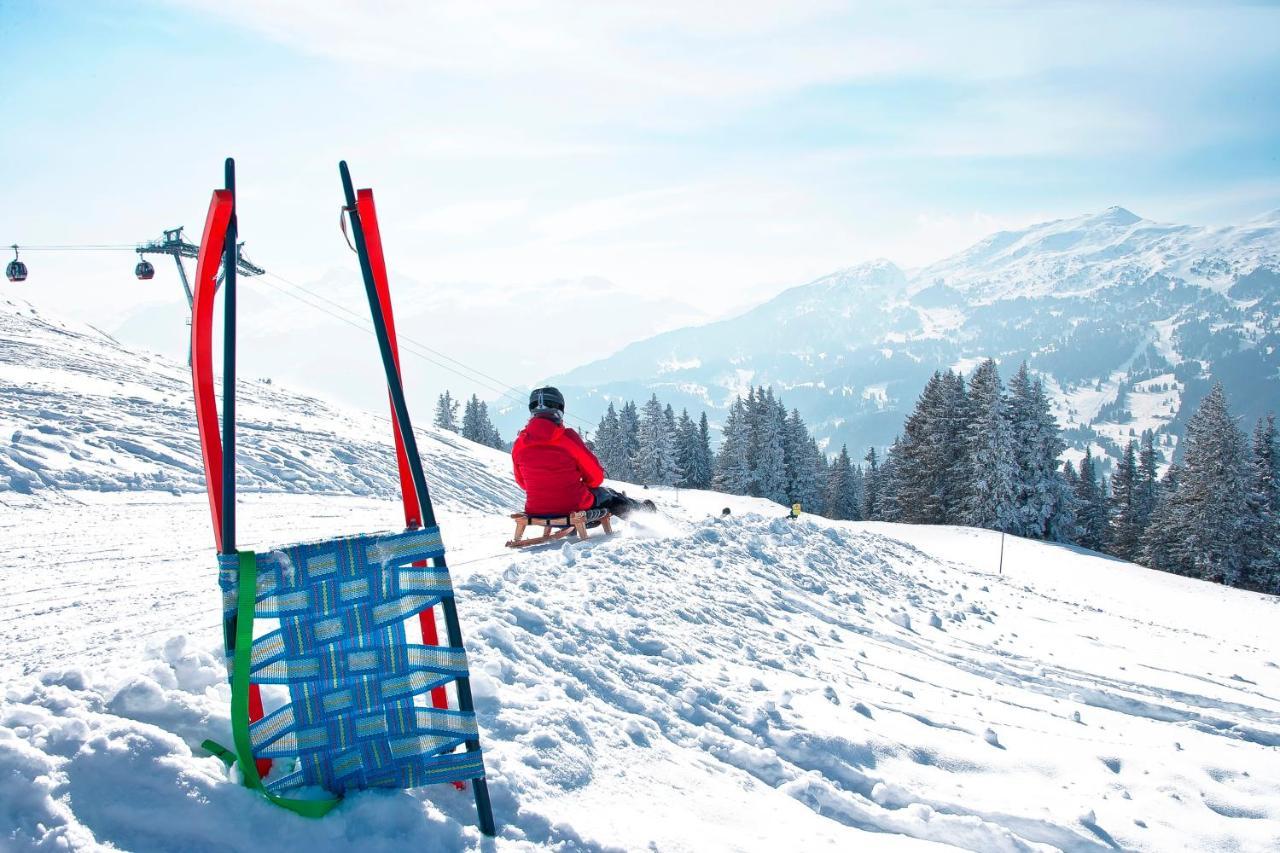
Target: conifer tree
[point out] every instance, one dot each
(853, 494)
(890, 489)
(446, 412)
(1164, 545)
(1209, 506)
(871, 487)
(476, 425)
(629, 430)
(688, 452)
(611, 446)
(1091, 517)
(706, 461)
(733, 473)
(1262, 524)
(818, 462)
(932, 460)
(839, 495)
(1125, 536)
(919, 458)
(655, 457)
(988, 439)
(1146, 481)
(770, 464)
(802, 482)
(1046, 508)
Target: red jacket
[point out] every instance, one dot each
(555, 468)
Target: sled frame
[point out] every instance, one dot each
(556, 527)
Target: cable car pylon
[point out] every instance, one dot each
(177, 247)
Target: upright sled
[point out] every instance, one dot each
(559, 526)
(367, 705)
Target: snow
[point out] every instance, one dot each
(1080, 255)
(695, 682)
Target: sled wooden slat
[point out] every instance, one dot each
(556, 527)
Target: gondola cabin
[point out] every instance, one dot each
(144, 270)
(17, 270)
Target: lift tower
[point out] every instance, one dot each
(178, 248)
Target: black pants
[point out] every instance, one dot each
(616, 502)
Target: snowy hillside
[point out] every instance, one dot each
(80, 411)
(1130, 321)
(698, 683)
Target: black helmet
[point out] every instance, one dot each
(542, 399)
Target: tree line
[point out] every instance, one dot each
(984, 456)
(765, 451)
(973, 453)
(475, 424)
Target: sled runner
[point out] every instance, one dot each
(366, 707)
(563, 525)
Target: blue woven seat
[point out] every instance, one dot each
(358, 715)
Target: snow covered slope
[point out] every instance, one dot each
(695, 683)
(705, 684)
(80, 411)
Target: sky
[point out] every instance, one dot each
(556, 179)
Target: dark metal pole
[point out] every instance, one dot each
(229, 373)
(453, 628)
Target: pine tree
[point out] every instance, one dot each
(770, 464)
(840, 496)
(446, 412)
(655, 461)
(609, 446)
(890, 485)
(1125, 532)
(1046, 507)
(989, 441)
(818, 463)
(932, 461)
(1091, 518)
(1164, 545)
(1147, 479)
(733, 472)
(872, 487)
(919, 458)
(706, 461)
(802, 482)
(853, 493)
(1262, 523)
(1209, 507)
(629, 432)
(688, 451)
(476, 425)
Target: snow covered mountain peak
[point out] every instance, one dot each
(881, 277)
(1084, 254)
(1114, 216)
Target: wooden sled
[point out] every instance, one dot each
(559, 526)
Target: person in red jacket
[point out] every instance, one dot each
(556, 469)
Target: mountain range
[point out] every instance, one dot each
(1128, 322)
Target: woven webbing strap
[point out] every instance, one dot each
(352, 677)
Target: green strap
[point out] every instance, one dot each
(247, 586)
